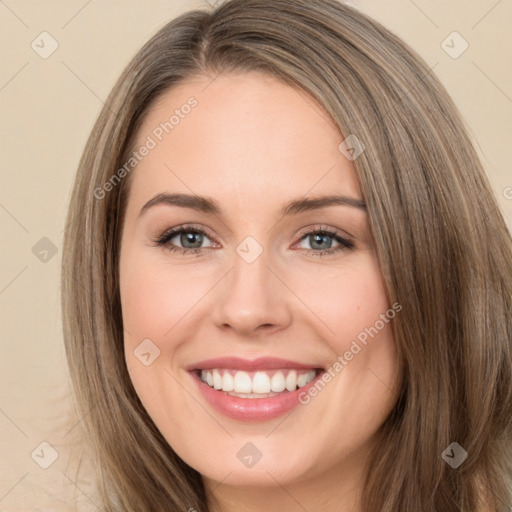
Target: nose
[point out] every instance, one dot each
(251, 299)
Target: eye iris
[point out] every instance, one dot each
(319, 239)
(191, 237)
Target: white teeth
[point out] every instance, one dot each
(259, 383)
(301, 380)
(291, 381)
(217, 380)
(227, 382)
(309, 377)
(277, 383)
(242, 382)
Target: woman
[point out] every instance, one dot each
(368, 370)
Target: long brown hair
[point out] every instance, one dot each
(442, 244)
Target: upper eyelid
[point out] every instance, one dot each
(180, 229)
(323, 228)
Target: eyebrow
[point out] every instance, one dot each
(212, 207)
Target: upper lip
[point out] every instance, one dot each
(238, 363)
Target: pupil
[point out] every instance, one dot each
(189, 237)
(318, 239)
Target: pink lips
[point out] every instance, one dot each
(250, 409)
(237, 363)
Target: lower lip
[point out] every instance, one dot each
(252, 409)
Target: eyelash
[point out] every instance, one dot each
(164, 238)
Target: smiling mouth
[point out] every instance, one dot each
(257, 384)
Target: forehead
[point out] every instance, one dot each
(245, 135)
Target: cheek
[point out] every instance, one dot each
(153, 300)
(156, 301)
(345, 301)
(155, 296)
(354, 314)
(162, 302)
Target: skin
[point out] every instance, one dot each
(254, 143)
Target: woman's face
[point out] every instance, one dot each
(263, 285)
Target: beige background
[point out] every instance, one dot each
(48, 107)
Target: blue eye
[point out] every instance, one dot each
(193, 238)
(190, 238)
(321, 242)
(191, 241)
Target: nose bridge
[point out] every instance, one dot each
(251, 295)
(250, 275)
